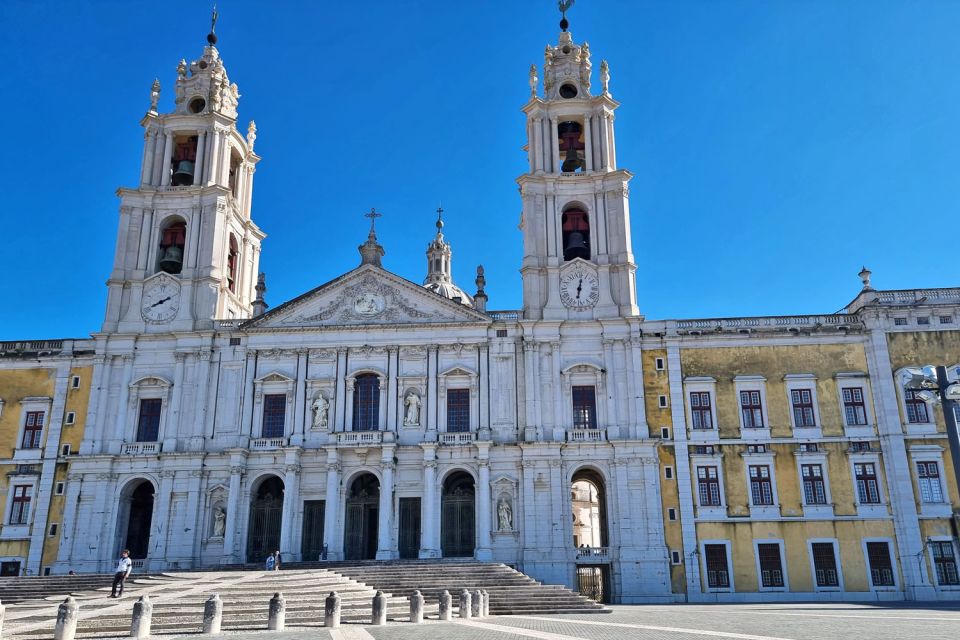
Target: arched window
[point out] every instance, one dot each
(570, 143)
(184, 161)
(576, 234)
(366, 402)
(233, 254)
(172, 241)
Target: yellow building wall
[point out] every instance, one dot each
(912, 349)
(773, 363)
(16, 384)
(656, 383)
(670, 499)
(795, 535)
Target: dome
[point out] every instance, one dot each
(450, 291)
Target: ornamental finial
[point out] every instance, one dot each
(564, 6)
(212, 36)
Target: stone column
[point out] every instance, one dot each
(554, 146)
(602, 131)
(393, 357)
(385, 527)
(588, 142)
(348, 400)
(167, 158)
(332, 506)
(484, 383)
(613, 142)
(642, 429)
(233, 512)
(613, 410)
(537, 143)
(198, 167)
(161, 522)
(529, 507)
(194, 519)
(200, 408)
(248, 391)
(483, 552)
(430, 410)
(297, 433)
(559, 428)
(339, 393)
(149, 150)
(629, 390)
(291, 500)
(431, 522)
(172, 423)
(121, 418)
(529, 363)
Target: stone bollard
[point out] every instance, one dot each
(142, 615)
(3, 610)
(212, 614)
(465, 604)
(445, 604)
(67, 614)
(278, 612)
(476, 605)
(379, 609)
(331, 611)
(416, 607)
(486, 603)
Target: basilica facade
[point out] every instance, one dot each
(377, 418)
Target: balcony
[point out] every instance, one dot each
(359, 437)
(141, 448)
(593, 554)
(457, 438)
(267, 444)
(586, 435)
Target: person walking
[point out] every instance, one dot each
(124, 567)
(276, 560)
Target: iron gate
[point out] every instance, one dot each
(593, 581)
(457, 507)
(263, 537)
(409, 526)
(313, 514)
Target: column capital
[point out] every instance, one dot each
(292, 468)
(236, 470)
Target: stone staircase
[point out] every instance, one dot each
(178, 600)
(511, 592)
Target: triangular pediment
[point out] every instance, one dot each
(367, 295)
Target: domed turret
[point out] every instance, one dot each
(438, 268)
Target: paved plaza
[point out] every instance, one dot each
(932, 621)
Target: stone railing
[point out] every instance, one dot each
(457, 438)
(505, 315)
(138, 564)
(228, 325)
(596, 554)
(919, 296)
(586, 435)
(140, 448)
(267, 444)
(745, 325)
(359, 437)
(31, 346)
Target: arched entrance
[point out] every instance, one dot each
(458, 528)
(266, 518)
(136, 516)
(589, 509)
(360, 523)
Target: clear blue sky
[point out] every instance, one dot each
(777, 145)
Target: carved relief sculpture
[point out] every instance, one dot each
(411, 417)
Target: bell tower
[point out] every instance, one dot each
(188, 251)
(577, 259)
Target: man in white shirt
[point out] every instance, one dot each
(124, 567)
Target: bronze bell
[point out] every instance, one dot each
(172, 260)
(576, 247)
(572, 162)
(183, 176)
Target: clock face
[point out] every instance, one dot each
(579, 289)
(368, 304)
(161, 300)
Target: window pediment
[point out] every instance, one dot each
(274, 377)
(151, 381)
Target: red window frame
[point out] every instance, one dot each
(32, 430)
(771, 564)
(718, 571)
(584, 407)
(881, 566)
(825, 564)
(868, 488)
(854, 408)
(803, 413)
(761, 485)
(751, 409)
(20, 504)
(148, 424)
(917, 412)
(945, 563)
(701, 412)
(814, 488)
(708, 486)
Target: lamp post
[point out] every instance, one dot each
(933, 385)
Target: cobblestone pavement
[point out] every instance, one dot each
(821, 621)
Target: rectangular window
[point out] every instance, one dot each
(53, 529)
(718, 574)
(71, 418)
(665, 433)
(945, 562)
(671, 514)
(659, 364)
(366, 403)
(148, 424)
(751, 410)
(708, 486)
(668, 473)
(946, 319)
(274, 414)
(900, 322)
(923, 320)
(761, 489)
(802, 400)
(825, 564)
(20, 509)
(771, 568)
(33, 429)
(59, 489)
(881, 569)
(916, 408)
(928, 476)
(458, 410)
(584, 408)
(501, 333)
(854, 410)
(675, 557)
(814, 490)
(75, 382)
(662, 401)
(867, 488)
(700, 410)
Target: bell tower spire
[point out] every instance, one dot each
(188, 250)
(440, 267)
(578, 261)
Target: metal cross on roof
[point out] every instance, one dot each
(373, 215)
